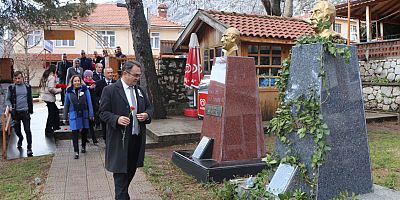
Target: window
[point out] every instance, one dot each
(208, 59)
(155, 40)
(34, 38)
(267, 59)
(338, 28)
(353, 29)
(107, 37)
(64, 43)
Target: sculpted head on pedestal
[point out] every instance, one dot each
(322, 17)
(230, 40)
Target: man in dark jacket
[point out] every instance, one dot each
(86, 63)
(126, 109)
(98, 90)
(19, 99)
(61, 72)
(98, 73)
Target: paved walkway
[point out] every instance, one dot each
(86, 177)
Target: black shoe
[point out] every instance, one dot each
(56, 128)
(29, 153)
(83, 150)
(76, 156)
(19, 147)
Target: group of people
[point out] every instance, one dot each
(123, 108)
(80, 98)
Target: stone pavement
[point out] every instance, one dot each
(86, 177)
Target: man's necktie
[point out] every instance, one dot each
(135, 127)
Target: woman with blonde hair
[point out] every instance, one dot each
(78, 108)
(48, 93)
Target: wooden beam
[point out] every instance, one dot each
(368, 23)
(266, 40)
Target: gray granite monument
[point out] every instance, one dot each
(347, 165)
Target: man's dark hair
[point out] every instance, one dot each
(118, 47)
(16, 73)
(129, 64)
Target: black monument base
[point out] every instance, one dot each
(207, 170)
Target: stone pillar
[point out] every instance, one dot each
(347, 165)
(233, 116)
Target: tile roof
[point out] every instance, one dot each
(262, 25)
(110, 14)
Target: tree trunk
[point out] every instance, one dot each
(276, 7)
(288, 10)
(143, 54)
(267, 6)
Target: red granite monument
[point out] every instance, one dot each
(232, 141)
(233, 116)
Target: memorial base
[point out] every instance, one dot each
(208, 170)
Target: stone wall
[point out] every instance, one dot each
(388, 68)
(386, 98)
(381, 84)
(170, 76)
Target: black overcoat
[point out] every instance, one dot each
(113, 104)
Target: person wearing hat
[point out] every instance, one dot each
(91, 84)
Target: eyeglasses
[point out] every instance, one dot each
(134, 75)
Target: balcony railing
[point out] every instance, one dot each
(379, 49)
(166, 47)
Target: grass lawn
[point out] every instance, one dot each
(17, 177)
(173, 183)
(385, 158)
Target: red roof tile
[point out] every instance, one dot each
(263, 26)
(110, 14)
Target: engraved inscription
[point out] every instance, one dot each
(214, 110)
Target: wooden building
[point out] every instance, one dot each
(382, 19)
(268, 39)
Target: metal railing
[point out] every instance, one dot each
(6, 126)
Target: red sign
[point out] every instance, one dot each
(202, 103)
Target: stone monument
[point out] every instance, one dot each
(347, 166)
(232, 119)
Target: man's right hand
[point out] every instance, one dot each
(124, 121)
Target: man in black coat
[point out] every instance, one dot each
(98, 73)
(125, 108)
(86, 63)
(98, 90)
(61, 72)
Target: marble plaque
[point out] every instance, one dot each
(202, 147)
(281, 179)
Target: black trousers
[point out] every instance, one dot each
(62, 96)
(75, 138)
(25, 117)
(91, 131)
(104, 130)
(53, 118)
(122, 180)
